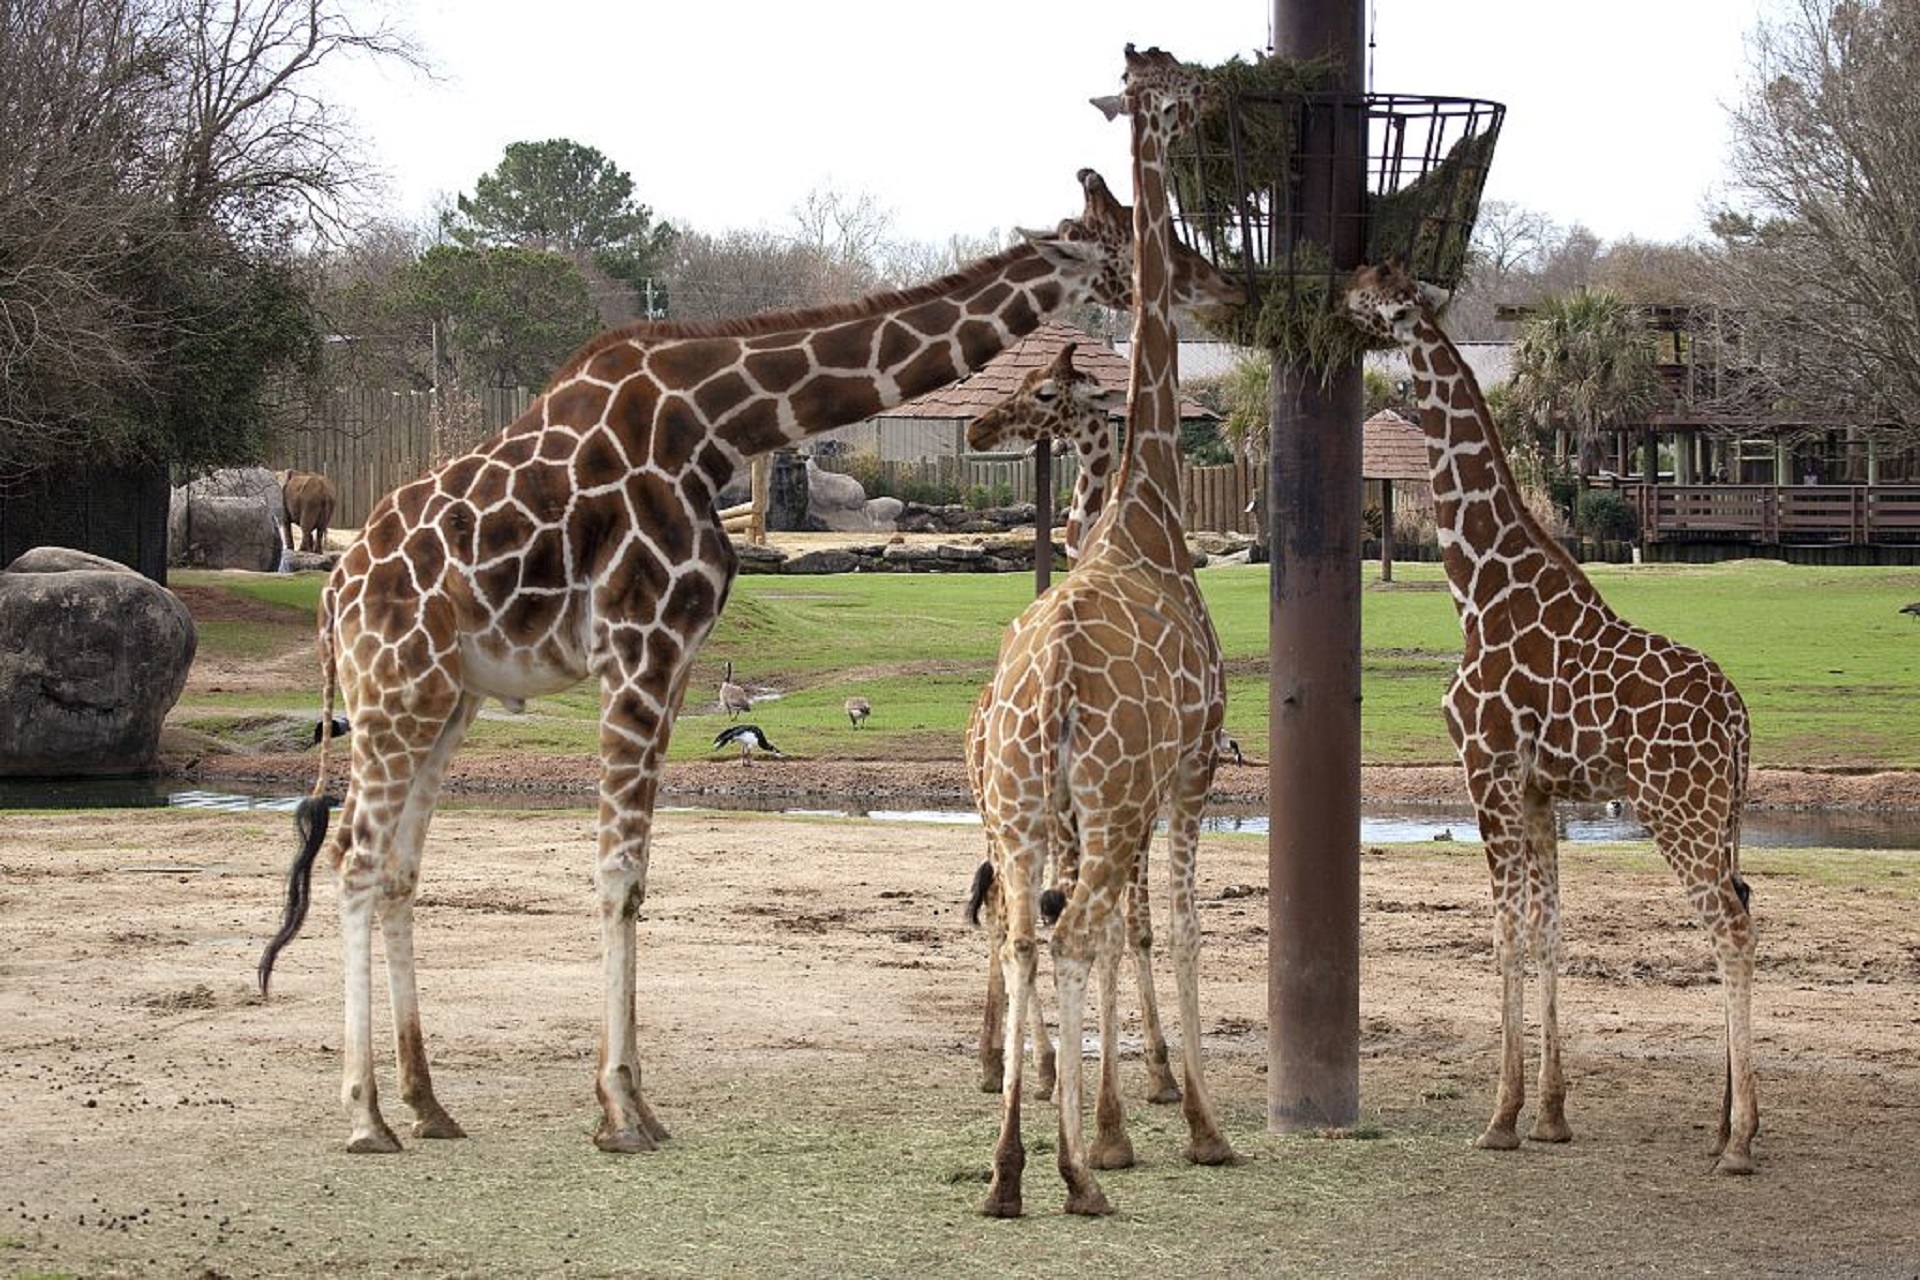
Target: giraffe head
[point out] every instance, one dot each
(1062, 404)
(1386, 302)
(1103, 234)
(1160, 90)
(1057, 402)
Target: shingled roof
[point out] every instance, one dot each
(1391, 448)
(1000, 377)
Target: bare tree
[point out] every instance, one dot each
(154, 158)
(254, 143)
(1822, 262)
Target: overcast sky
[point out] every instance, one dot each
(973, 117)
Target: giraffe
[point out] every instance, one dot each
(1557, 698)
(1058, 402)
(581, 541)
(1104, 711)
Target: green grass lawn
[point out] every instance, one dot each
(1829, 667)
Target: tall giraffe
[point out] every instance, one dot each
(1557, 698)
(581, 541)
(1058, 402)
(1105, 710)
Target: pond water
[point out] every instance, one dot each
(1379, 823)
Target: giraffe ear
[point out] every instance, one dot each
(1064, 251)
(1436, 297)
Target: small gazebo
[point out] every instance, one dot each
(1391, 448)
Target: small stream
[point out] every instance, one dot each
(1379, 823)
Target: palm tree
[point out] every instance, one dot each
(1583, 365)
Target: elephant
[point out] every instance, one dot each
(309, 499)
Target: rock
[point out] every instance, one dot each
(229, 533)
(233, 519)
(92, 657)
(760, 559)
(827, 560)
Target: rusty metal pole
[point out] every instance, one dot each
(1314, 501)
(1042, 515)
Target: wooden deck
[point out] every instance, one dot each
(1779, 515)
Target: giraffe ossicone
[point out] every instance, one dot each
(581, 541)
(1105, 711)
(1558, 698)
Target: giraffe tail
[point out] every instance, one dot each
(330, 725)
(310, 820)
(982, 886)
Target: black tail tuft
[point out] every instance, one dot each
(1052, 903)
(1746, 894)
(310, 820)
(982, 884)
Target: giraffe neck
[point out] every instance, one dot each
(1489, 541)
(1145, 511)
(1089, 486)
(710, 395)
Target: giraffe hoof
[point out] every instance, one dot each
(1734, 1163)
(1088, 1201)
(1001, 1203)
(625, 1141)
(1211, 1151)
(380, 1142)
(1498, 1138)
(1164, 1093)
(439, 1125)
(1550, 1131)
(991, 1084)
(1116, 1153)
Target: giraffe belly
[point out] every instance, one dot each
(519, 673)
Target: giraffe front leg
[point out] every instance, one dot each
(1739, 1107)
(368, 1133)
(1206, 1143)
(627, 1125)
(1543, 928)
(993, 1019)
(1161, 1086)
(1501, 1133)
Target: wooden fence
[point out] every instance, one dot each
(369, 442)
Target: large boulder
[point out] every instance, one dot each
(92, 657)
(233, 519)
(839, 504)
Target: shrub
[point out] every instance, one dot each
(1606, 517)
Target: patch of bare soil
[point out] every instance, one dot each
(809, 995)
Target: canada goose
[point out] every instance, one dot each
(750, 739)
(1913, 608)
(339, 729)
(858, 709)
(733, 698)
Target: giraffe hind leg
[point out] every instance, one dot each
(396, 922)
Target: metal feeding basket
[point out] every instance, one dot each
(1287, 190)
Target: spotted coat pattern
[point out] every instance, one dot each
(581, 542)
(1558, 698)
(1105, 710)
(1053, 404)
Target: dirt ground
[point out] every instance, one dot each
(809, 986)
(809, 998)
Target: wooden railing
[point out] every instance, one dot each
(1810, 514)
